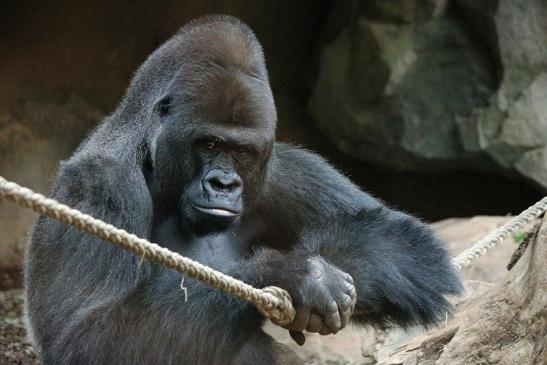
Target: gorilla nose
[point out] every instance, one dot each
(217, 181)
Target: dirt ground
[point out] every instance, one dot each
(14, 347)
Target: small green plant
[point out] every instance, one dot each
(518, 237)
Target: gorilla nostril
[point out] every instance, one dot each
(224, 183)
(217, 184)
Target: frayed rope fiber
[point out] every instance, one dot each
(493, 239)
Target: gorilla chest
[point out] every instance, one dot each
(216, 250)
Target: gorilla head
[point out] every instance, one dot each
(215, 125)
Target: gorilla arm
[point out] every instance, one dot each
(74, 279)
(400, 270)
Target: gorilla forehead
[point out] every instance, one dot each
(223, 76)
(225, 96)
(214, 66)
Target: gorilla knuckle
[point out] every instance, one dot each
(346, 301)
(332, 307)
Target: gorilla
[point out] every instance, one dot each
(189, 160)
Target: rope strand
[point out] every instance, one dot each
(493, 239)
(274, 303)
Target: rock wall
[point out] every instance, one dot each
(428, 84)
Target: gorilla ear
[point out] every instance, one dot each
(163, 106)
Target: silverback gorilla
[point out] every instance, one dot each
(189, 160)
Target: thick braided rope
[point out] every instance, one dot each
(274, 303)
(465, 258)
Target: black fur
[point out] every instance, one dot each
(302, 225)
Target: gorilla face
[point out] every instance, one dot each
(213, 144)
(225, 168)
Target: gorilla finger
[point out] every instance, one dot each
(326, 331)
(344, 306)
(349, 288)
(298, 337)
(315, 323)
(332, 317)
(301, 320)
(345, 316)
(348, 277)
(352, 292)
(345, 302)
(353, 304)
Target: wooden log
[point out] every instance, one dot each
(506, 325)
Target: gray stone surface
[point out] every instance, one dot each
(417, 86)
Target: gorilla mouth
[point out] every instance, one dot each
(217, 211)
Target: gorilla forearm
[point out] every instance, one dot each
(400, 269)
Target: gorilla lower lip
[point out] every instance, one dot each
(222, 212)
(217, 211)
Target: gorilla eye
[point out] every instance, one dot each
(211, 144)
(244, 153)
(242, 150)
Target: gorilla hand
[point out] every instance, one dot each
(324, 301)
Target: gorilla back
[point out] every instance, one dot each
(189, 160)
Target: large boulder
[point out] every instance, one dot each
(512, 130)
(419, 85)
